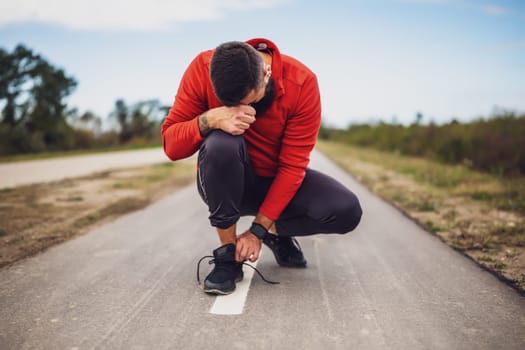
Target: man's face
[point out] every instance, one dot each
(266, 101)
(261, 99)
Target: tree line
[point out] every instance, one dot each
(495, 144)
(36, 118)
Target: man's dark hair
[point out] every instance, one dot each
(236, 69)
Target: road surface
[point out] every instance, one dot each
(131, 284)
(45, 170)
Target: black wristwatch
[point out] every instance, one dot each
(259, 230)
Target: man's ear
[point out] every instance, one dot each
(267, 73)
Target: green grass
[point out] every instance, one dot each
(432, 227)
(426, 206)
(482, 196)
(124, 185)
(422, 170)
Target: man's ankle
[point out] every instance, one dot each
(228, 235)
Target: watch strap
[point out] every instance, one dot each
(258, 230)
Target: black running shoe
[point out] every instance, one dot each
(286, 250)
(222, 279)
(226, 273)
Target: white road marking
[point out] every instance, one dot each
(233, 304)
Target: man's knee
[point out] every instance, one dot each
(349, 215)
(223, 148)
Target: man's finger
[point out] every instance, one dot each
(247, 109)
(237, 131)
(246, 118)
(238, 251)
(244, 253)
(254, 257)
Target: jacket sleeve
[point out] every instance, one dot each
(299, 139)
(181, 136)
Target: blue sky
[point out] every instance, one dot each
(375, 59)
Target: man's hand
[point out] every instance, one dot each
(233, 120)
(248, 247)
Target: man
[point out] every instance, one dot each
(254, 114)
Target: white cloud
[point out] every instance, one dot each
(495, 10)
(122, 14)
(487, 8)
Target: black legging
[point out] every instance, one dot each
(229, 186)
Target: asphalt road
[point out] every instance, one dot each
(53, 169)
(131, 285)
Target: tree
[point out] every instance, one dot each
(419, 118)
(138, 121)
(88, 121)
(121, 113)
(32, 93)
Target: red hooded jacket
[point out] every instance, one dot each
(279, 142)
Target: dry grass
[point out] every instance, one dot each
(33, 218)
(479, 214)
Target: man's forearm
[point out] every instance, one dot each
(204, 124)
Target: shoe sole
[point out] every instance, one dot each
(216, 291)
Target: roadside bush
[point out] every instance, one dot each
(494, 145)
